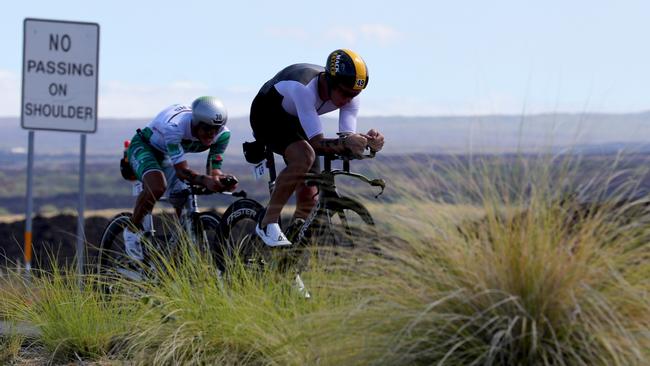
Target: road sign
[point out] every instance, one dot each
(60, 67)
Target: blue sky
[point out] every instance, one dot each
(425, 57)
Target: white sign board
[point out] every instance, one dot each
(60, 67)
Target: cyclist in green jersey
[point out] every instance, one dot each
(157, 156)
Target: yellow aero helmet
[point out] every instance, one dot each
(346, 67)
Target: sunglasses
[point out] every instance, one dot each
(348, 93)
(210, 129)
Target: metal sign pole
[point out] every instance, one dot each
(81, 237)
(30, 202)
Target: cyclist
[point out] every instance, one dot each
(157, 155)
(285, 116)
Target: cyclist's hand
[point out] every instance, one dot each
(375, 140)
(212, 183)
(355, 143)
(228, 182)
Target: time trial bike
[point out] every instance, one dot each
(200, 227)
(335, 221)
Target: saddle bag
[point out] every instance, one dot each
(254, 152)
(125, 168)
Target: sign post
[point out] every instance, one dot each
(59, 93)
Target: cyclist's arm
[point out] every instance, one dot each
(354, 143)
(215, 156)
(215, 172)
(184, 172)
(302, 99)
(323, 145)
(348, 116)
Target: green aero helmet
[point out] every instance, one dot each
(345, 67)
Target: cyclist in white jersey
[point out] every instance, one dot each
(285, 116)
(157, 156)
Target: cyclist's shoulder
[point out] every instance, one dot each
(172, 110)
(296, 75)
(173, 115)
(173, 120)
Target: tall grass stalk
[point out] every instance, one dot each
(197, 315)
(543, 278)
(73, 321)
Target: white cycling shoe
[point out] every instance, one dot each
(272, 235)
(132, 244)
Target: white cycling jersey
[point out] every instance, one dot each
(298, 85)
(172, 133)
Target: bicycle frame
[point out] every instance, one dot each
(327, 191)
(189, 212)
(328, 194)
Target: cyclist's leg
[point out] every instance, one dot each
(306, 196)
(146, 165)
(174, 186)
(283, 134)
(300, 157)
(153, 187)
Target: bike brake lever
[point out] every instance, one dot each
(241, 194)
(378, 183)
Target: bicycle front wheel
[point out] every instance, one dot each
(348, 224)
(207, 232)
(112, 259)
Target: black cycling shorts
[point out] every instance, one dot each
(274, 127)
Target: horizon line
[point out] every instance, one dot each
(504, 114)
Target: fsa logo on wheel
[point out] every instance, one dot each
(361, 83)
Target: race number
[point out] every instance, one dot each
(258, 170)
(137, 187)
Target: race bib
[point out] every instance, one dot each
(137, 187)
(259, 170)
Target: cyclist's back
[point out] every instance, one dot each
(171, 133)
(292, 96)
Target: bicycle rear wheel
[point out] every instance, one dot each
(239, 240)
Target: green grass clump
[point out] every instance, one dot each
(73, 319)
(514, 268)
(10, 345)
(245, 316)
(538, 280)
